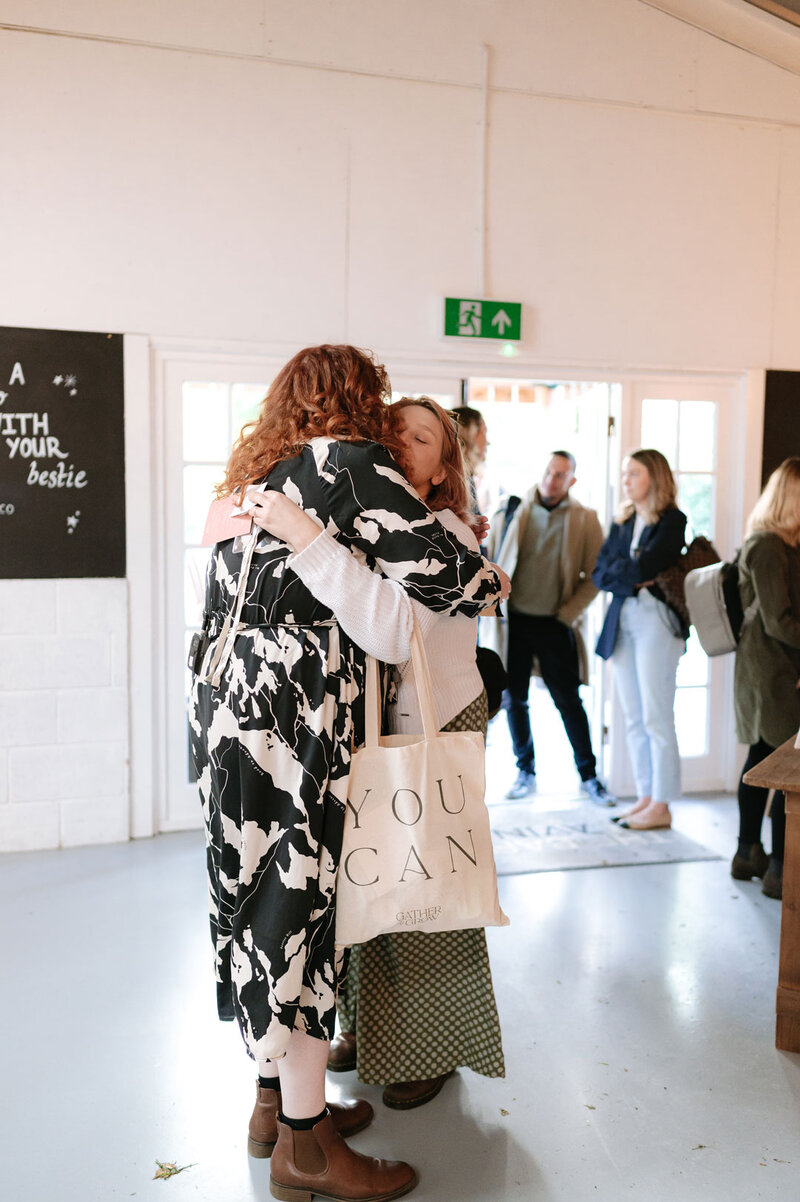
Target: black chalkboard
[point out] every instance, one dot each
(781, 420)
(62, 454)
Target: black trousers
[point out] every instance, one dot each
(554, 645)
(753, 802)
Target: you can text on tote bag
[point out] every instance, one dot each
(417, 850)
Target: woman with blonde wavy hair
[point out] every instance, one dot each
(767, 672)
(276, 707)
(642, 636)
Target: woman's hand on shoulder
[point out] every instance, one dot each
(280, 517)
(479, 524)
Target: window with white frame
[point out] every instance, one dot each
(214, 413)
(685, 433)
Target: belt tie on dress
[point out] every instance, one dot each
(233, 626)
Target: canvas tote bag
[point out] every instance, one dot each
(417, 851)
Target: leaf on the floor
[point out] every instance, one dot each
(504, 1112)
(168, 1168)
(698, 1146)
(588, 1107)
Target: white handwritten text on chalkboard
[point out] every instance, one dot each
(60, 478)
(61, 454)
(27, 436)
(39, 442)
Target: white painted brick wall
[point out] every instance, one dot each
(56, 772)
(27, 607)
(29, 827)
(64, 713)
(27, 718)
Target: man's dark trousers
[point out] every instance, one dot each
(555, 647)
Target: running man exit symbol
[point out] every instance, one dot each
(471, 318)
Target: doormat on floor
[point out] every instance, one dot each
(582, 837)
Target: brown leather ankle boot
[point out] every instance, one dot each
(343, 1055)
(320, 1162)
(348, 1118)
(405, 1095)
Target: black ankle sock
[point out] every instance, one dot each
(302, 1124)
(270, 1083)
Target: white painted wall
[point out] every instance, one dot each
(63, 712)
(640, 198)
(279, 172)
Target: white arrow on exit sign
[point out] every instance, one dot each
(501, 320)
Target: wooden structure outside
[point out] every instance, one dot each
(781, 770)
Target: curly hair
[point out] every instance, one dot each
(777, 510)
(324, 391)
(452, 492)
(663, 489)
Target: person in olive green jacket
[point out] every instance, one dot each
(767, 673)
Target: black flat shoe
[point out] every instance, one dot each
(772, 885)
(750, 860)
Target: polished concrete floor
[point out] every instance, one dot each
(637, 1007)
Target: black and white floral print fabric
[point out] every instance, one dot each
(271, 743)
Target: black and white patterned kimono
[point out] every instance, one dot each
(271, 742)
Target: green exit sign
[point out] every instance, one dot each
(465, 318)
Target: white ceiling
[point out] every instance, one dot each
(742, 24)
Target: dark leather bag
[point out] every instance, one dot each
(699, 554)
(493, 675)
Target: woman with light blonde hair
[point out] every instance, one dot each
(767, 672)
(642, 636)
(777, 510)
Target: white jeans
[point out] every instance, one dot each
(645, 660)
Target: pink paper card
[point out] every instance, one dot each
(225, 521)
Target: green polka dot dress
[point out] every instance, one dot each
(423, 1004)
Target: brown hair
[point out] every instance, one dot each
(663, 489)
(777, 510)
(328, 391)
(452, 492)
(469, 422)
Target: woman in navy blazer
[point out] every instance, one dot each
(642, 636)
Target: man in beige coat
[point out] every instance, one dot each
(547, 543)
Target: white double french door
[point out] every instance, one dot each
(205, 402)
(693, 423)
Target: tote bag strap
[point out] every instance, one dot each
(422, 680)
(424, 687)
(230, 627)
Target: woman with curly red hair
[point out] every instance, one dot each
(415, 1006)
(276, 707)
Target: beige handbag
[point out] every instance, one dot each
(417, 850)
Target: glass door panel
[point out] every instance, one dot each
(690, 424)
(528, 419)
(205, 409)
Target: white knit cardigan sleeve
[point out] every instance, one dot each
(375, 612)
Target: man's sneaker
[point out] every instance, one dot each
(522, 786)
(596, 790)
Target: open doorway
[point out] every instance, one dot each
(526, 421)
(204, 400)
